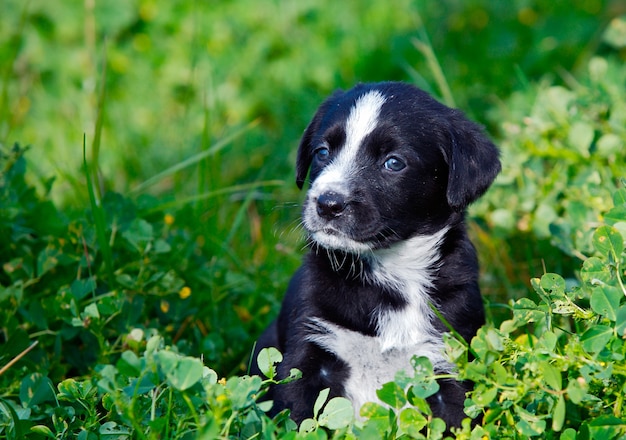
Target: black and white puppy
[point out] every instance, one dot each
(392, 172)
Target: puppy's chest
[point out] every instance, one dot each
(370, 363)
(403, 330)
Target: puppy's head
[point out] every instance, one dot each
(388, 162)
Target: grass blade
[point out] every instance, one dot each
(99, 219)
(211, 194)
(193, 159)
(425, 47)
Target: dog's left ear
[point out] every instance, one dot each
(473, 162)
(307, 143)
(305, 151)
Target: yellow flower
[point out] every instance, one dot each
(168, 219)
(165, 306)
(184, 293)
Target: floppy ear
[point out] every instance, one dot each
(307, 143)
(305, 152)
(473, 162)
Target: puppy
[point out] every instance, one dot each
(392, 172)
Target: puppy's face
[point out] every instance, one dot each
(387, 162)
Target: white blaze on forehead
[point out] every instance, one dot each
(362, 119)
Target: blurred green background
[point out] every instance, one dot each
(179, 76)
(188, 102)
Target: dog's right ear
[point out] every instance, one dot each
(309, 140)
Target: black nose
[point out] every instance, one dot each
(330, 205)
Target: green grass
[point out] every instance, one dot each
(150, 230)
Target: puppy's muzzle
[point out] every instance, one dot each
(330, 205)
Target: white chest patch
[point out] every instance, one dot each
(374, 360)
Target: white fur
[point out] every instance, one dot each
(370, 367)
(334, 239)
(408, 266)
(335, 177)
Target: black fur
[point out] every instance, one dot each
(449, 164)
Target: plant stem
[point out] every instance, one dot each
(18, 357)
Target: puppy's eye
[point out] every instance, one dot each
(322, 154)
(394, 164)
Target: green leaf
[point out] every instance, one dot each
(138, 386)
(595, 271)
(577, 390)
(500, 374)
(338, 413)
(455, 349)
(68, 390)
(42, 430)
(378, 418)
(181, 372)
(420, 402)
(494, 339)
(72, 390)
(615, 34)
(422, 367)
(209, 376)
(558, 414)
(580, 137)
(619, 198)
(320, 401)
(8, 411)
(36, 389)
(47, 260)
(545, 215)
(609, 242)
(606, 427)
(139, 234)
(167, 360)
(568, 434)
(605, 301)
(372, 410)
(473, 410)
(129, 364)
(187, 373)
(267, 360)
(529, 424)
(152, 344)
(412, 422)
(484, 394)
(91, 311)
(111, 430)
(392, 395)
(596, 338)
(553, 282)
(547, 340)
(437, 428)
(242, 390)
(307, 425)
(81, 288)
(425, 388)
(615, 215)
(525, 310)
(551, 375)
(620, 322)
(294, 374)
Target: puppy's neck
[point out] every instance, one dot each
(408, 264)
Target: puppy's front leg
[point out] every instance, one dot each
(320, 370)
